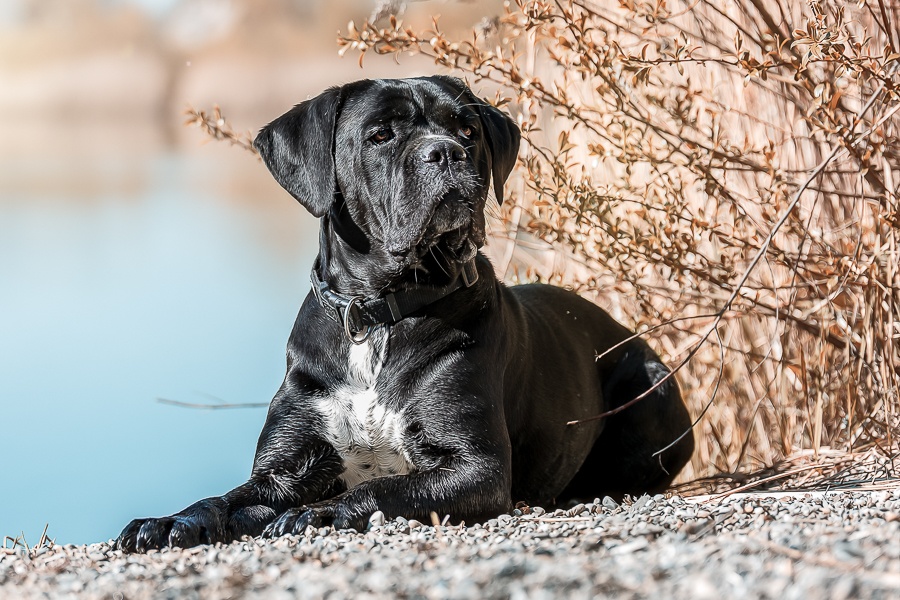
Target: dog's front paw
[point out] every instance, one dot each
(295, 520)
(198, 524)
(154, 533)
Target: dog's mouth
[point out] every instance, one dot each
(443, 233)
(452, 229)
(439, 256)
(456, 245)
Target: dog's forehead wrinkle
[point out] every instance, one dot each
(402, 112)
(367, 114)
(435, 103)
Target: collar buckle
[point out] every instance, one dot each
(361, 335)
(469, 274)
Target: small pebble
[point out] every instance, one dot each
(835, 545)
(377, 519)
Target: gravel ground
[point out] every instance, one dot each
(805, 546)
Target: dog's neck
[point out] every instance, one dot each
(351, 271)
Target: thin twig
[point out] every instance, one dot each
(211, 406)
(749, 269)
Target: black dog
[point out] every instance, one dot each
(416, 382)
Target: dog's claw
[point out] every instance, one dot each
(127, 540)
(148, 536)
(185, 534)
(294, 521)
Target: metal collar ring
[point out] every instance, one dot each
(360, 336)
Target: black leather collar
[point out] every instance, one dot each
(359, 315)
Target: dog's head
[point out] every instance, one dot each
(410, 160)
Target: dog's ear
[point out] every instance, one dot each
(298, 149)
(503, 137)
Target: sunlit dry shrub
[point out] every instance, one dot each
(214, 125)
(723, 174)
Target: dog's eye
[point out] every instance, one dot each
(382, 135)
(466, 131)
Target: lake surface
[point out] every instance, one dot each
(134, 267)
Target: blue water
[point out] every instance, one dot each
(124, 279)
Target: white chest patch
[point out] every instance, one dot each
(367, 435)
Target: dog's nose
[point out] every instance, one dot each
(443, 152)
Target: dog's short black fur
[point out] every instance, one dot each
(461, 406)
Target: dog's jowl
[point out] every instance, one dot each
(416, 382)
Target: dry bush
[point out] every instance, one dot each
(215, 126)
(725, 177)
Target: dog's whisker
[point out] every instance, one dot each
(436, 260)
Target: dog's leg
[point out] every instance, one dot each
(479, 489)
(292, 466)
